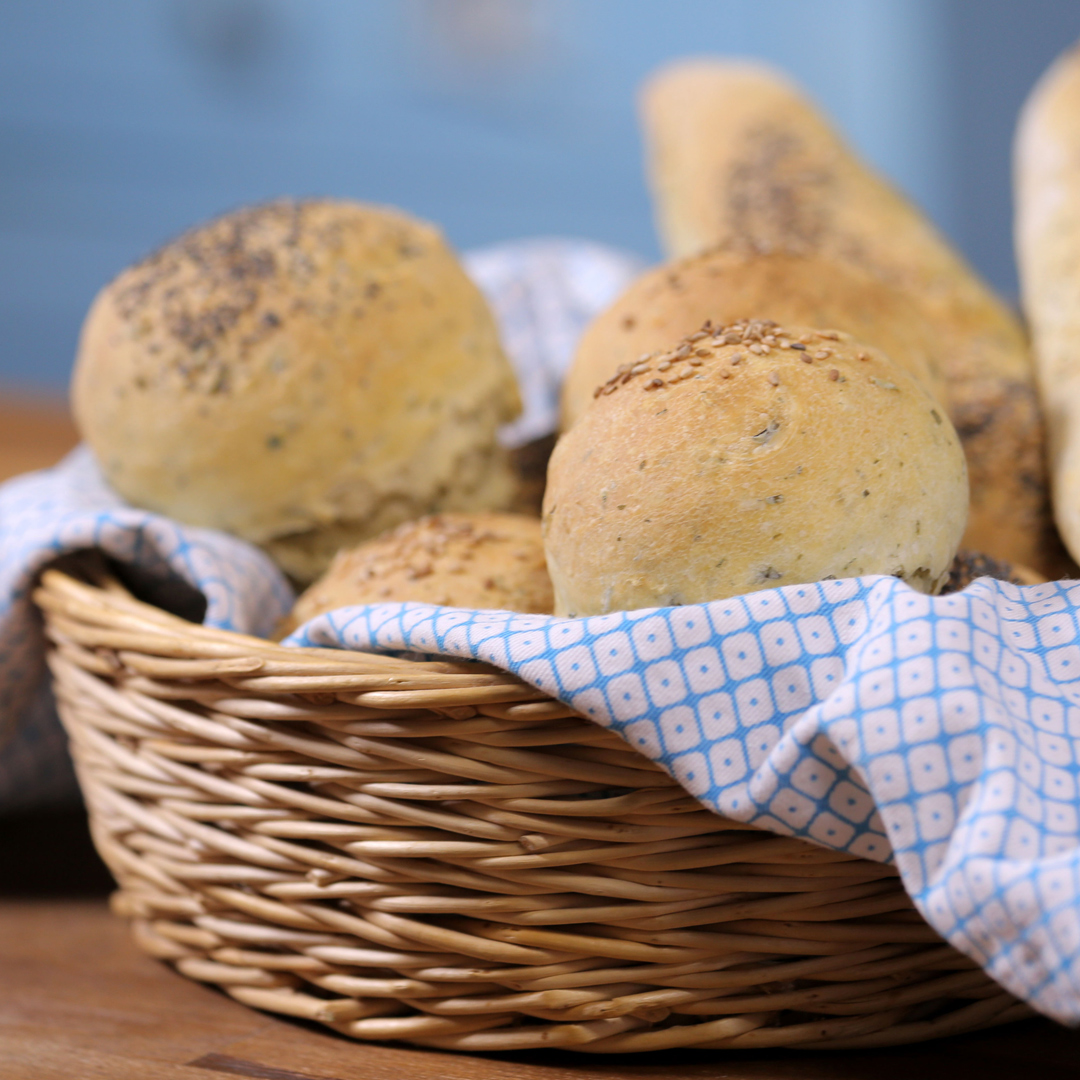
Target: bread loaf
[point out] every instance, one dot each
(1047, 170)
(492, 561)
(738, 156)
(301, 374)
(750, 456)
(729, 283)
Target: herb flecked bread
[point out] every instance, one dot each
(304, 375)
(749, 456)
(738, 156)
(489, 561)
(728, 283)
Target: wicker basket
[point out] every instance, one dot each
(437, 853)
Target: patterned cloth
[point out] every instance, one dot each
(47, 514)
(942, 732)
(544, 292)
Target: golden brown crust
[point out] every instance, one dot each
(298, 373)
(725, 284)
(749, 456)
(491, 561)
(738, 156)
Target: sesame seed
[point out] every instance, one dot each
(687, 372)
(695, 360)
(757, 350)
(640, 368)
(737, 358)
(864, 356)
(663, 365)
(698, 336)
(797, 345)
(703, 352)
(653, 384)
(823, 354)
(774, 378)
(834, 374)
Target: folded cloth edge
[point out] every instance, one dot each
(936, 732)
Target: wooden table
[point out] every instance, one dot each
(77, 999)
(34, 432)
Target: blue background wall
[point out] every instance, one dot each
(124, 121)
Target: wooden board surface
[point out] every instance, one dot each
(77, 999)
(34, 432)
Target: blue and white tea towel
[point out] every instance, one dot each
(47, 514)
(544, 292)
(942, 732)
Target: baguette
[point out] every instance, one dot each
(1047, 172)
(739, 157)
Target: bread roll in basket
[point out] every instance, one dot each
(436, 852)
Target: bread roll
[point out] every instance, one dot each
(737, 155)
(301, 374)
(1047, 169)
(726, 284)
(492, 561)
(746, 458)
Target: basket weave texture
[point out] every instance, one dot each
(438, 853)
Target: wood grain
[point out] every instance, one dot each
(77, 999)
(35, 432)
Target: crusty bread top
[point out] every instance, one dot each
(290, 367)
(749, 456)
(728, 283)
(493, 561)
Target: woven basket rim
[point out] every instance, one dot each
(440, 853)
